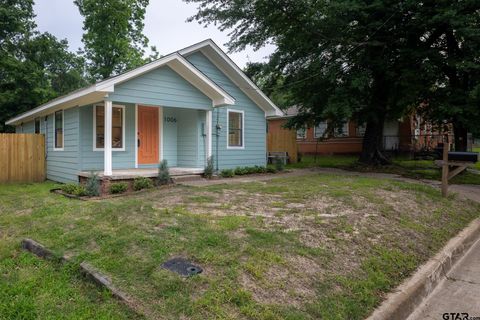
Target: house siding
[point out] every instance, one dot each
(254, 152)
(27, 127)
(62, 166)
(93, 160)
(183, 140)
(161, 87)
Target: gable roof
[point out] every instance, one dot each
(223, 62)
(179, 64)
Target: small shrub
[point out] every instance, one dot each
(163, 173)
(279, 164)
(271, 169)
(250, 170)
(74, 189)
(227, 173)
(208, 173)
(140, 183)
(260, 169)
(69, 188)
(240, 171)
(119, 187)
(92, 186)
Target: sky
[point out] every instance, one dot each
(165, 27)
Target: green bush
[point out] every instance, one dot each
(271, 169)
(69, 188)
(208, 172)
(163, 173)
(240, 171)
(119, 187)
(140, 183)
(260, 169)
(74, 189)
(227, 173)
(250, 170)
(279, 164)
(92, 186)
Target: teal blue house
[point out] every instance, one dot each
(184, 107)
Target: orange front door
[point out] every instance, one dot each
(148, 140)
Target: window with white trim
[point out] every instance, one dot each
(118, 127)
(361, 129)
(235, 129)
(58, 127)
(37, 125)
(320, 129)
(341, 131)
(301, 133)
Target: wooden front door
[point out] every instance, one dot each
(148, 135)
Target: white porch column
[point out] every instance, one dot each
(107, 166)
(208, 132)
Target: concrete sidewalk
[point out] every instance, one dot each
(459, 292)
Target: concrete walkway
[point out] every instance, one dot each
(459, 292)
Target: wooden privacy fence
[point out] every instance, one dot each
(280, 139)
(22, 157)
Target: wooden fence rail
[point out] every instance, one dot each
(22, 157)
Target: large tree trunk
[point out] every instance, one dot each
(461, 137)
(372, 148)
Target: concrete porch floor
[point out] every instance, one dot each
(124, 174)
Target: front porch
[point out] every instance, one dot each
(130, 174)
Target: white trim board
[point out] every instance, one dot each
(136, 136)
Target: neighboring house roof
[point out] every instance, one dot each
(179, 64)
(290, 112)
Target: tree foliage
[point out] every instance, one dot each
(34, 67)
(359, 59)
(113, 37)
(451, 45)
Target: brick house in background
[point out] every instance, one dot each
(398, 136)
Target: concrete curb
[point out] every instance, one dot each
(402, 302)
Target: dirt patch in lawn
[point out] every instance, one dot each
(289, 284)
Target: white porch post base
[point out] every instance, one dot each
(107, 166)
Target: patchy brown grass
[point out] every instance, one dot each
(322, 246)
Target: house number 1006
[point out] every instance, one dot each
(170, 119)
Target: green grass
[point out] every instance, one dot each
(325, 161)
(35, 289)
(417, 169)
(320, 246)
(477, 165)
